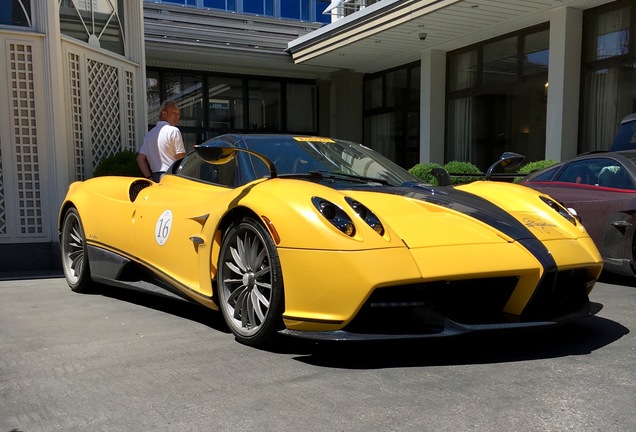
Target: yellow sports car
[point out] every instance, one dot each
(326, 239)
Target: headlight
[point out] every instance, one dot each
(335, 215)
(560, 209)
(367, 215)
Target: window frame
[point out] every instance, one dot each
(202, 131)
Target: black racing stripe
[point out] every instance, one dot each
(468, 204)
(487, 212)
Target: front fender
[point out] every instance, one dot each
(287, 204)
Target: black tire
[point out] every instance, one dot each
(250, 284)
(74, 253)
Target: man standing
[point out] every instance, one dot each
(163, 144)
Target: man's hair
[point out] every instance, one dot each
(167, 104)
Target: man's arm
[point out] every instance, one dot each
(179, 146)
(144, 166)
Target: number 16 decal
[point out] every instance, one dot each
(162, 229)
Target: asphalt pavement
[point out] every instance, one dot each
(119, 360)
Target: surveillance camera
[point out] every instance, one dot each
(423, 36)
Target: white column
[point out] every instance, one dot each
(47, 21)
(432, 106)
(564, 84)
(135, 51)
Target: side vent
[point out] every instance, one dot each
(136, 187)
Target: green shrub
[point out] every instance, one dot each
(423, 172)
(536, 166)
(123, 163)
(459, 167)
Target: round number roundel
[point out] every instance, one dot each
(162, 229)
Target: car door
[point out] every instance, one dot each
(175, 221)
(604, 196)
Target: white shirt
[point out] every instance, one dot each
(161, 145)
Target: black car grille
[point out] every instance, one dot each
(421, 308)
(559, 295)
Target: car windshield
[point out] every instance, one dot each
(321, 158)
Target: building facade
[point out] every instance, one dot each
(71, 92)
(417, 80)
(465, 80)
(422, 80)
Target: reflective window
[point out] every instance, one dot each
(415, 85)
(296, 9)
(302, 102)
(373, 93)
(396, 86)
(320, 6)
(578, 172)
(187, 92)
(182, 2)
(609, 73)
(625, 137)
(500, 61)
(548, 175)
(98, 22)
(225, 104)
(463, 70)
(391, 113)
(153, 96)
(497, 98)
(220, 4)
(212, 104)
(16, 13)
(536, 53)
(608, 96)
(380, 133)
(600, 172)
(264, 106)
(608, 34)
(190, 139)
(259, 7)
(303, 10)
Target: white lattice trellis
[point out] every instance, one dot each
(3, 213)
(130, 110)
(23, 120)
(75, 88)
(104, 110)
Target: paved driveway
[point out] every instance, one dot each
(124, 361)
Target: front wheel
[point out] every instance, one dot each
(74, 254)
(250, 285)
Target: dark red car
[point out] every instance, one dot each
(601, 188)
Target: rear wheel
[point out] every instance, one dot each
(74, 255)
(250, 285)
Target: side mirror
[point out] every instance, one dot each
(219, 153)
(442, 176)
(215, 155)
(508, 160)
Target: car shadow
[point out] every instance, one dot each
(577, 338)
(616, 279)
(170, 305)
